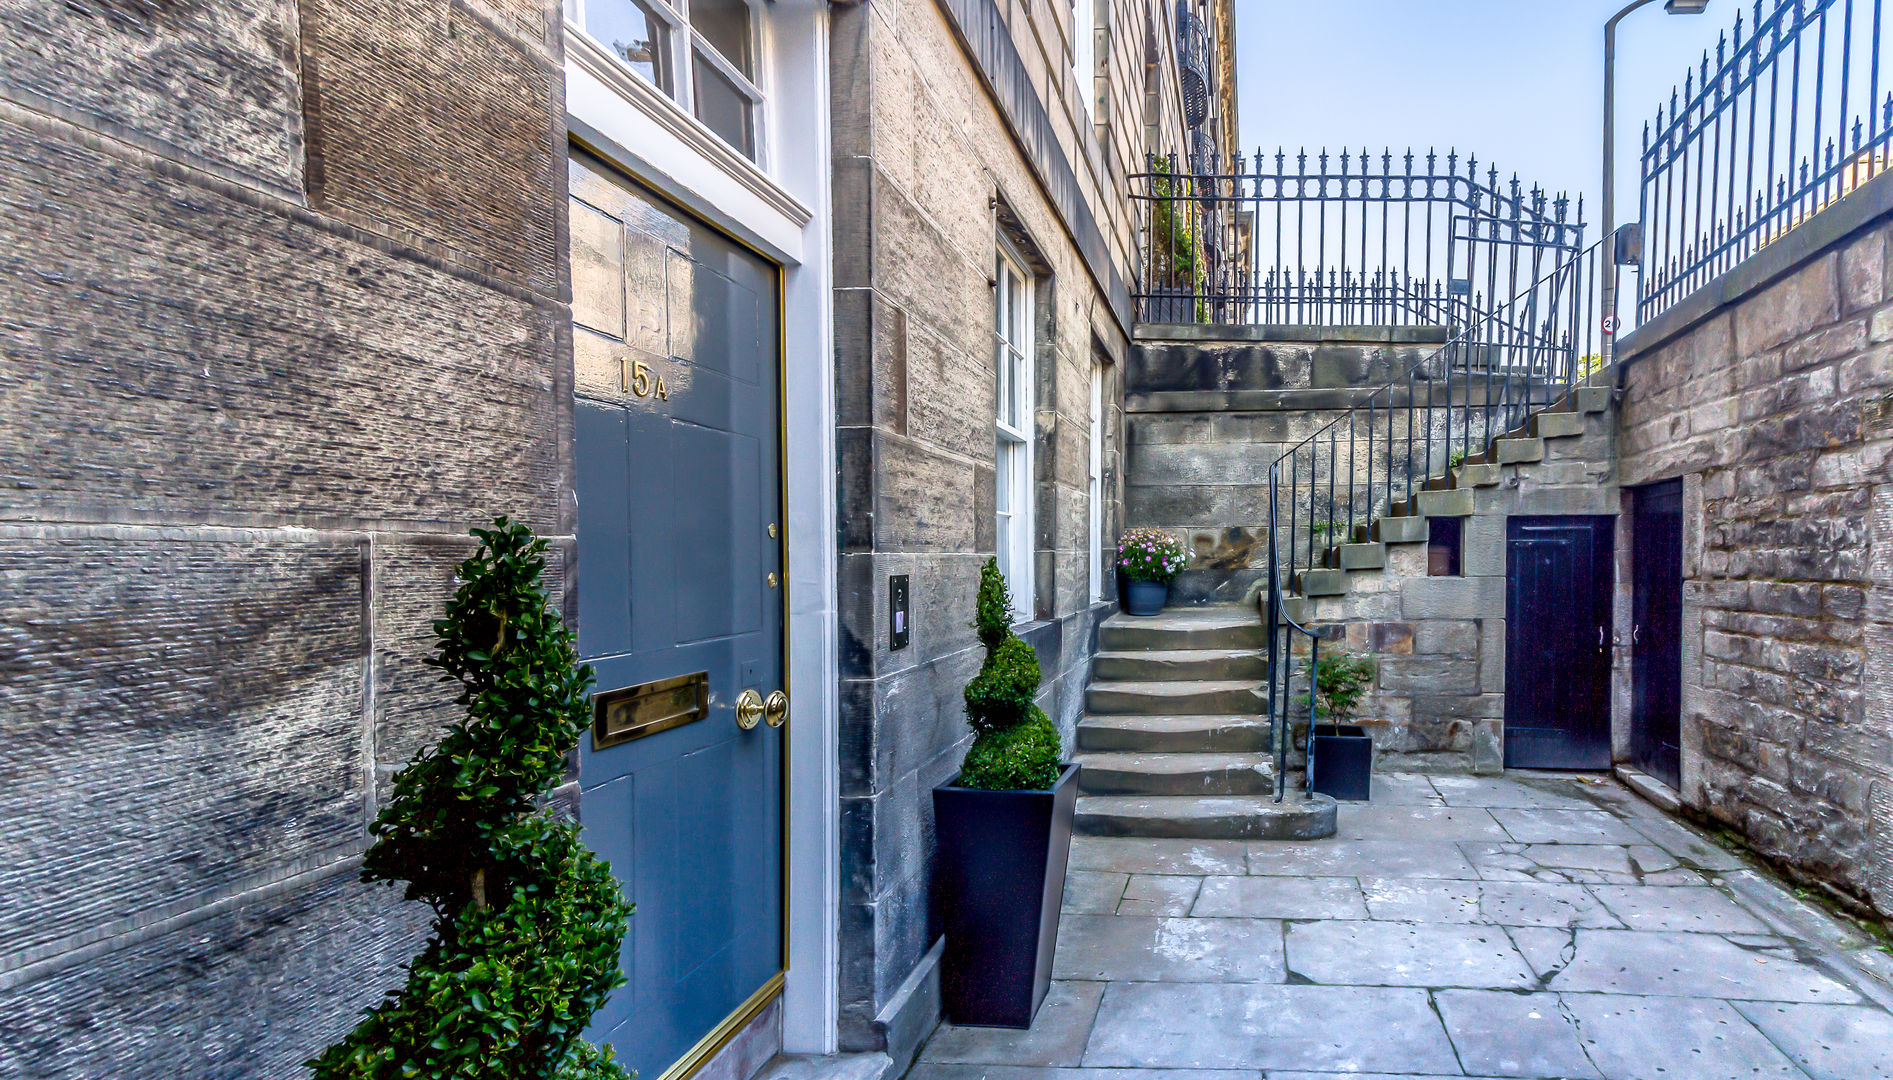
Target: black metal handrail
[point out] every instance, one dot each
(1331, 239)
(1407, 435)
(1754, 142)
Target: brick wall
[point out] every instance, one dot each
(1771, 395)
(283, 318)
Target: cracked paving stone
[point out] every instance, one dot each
(1356, 821)
(1344, 1029)
(1642, 1038)
(1150, 894)
(1830, 1042)
(1539, 826)
(1405, 954)
(1505, 1034)
(1057, 1035)
(1500, 903)
(1279, 898)
(1675, 964)
(1496, 792)
(1129, 947)
(1599, 864)
(1358, 858)
(1135, 855)
(1093, 892)
(1699, 910)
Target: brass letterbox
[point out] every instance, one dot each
(648, 708)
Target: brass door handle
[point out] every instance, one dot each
(749, 709)
(775, 710)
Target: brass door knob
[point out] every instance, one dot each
(776, 709)
(749, 709)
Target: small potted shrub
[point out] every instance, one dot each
(1148, 559)
(527, 921)
(1003, 830)
(1340, 754)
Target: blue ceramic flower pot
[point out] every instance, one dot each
(1145, 597)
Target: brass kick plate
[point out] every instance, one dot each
(636, 711)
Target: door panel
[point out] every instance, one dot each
(677, 441)
(1557, 643)
(1656, 631)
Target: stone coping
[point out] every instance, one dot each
(1860, 210)
(1373, 335)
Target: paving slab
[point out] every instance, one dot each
(1279, 898)
(1137, 948)
(926, 1070)
(1508, 792)
(1057, 1035)
(1336, 1029)
(1829, 1042)
(1641, 1038)
(1405, 954)
(1358, 858)
(1675, 964)
(1369, 821)
(1684, 843)
(1139, 855)
(1153, 894)
(1093, 892)
(1535, 825)
(1498, 903)
(1506, 1034)
(1403, 789)
(1699, 910)
(1602, 864)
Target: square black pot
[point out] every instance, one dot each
(1340, 761)
(1000, 861)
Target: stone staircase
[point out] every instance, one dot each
(1174, 742)
(1446, 494)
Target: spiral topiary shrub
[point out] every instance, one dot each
(1017, 747)
(527, 921)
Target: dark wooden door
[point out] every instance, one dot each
(1656, 630)
(677, 439)
(1557, 642)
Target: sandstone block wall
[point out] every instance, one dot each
(283, 316)
(1771, 396)
(927, 179)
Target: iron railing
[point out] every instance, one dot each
(1794, 111)
(1340, 239)
(1406, 437)
(1193, 65)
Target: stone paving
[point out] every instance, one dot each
(1527, 926)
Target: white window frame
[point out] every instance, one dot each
(685, 44)
(1084, 65)
(1096, 478)
(1013, 434)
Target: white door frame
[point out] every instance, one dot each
(783, 214)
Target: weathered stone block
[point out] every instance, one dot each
(1429, 675)
(1453, 598)
(181, 716)
(1807, 299)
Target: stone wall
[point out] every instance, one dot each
(1770, 393)
(1208, 409)
(283, 317)
(933, 178)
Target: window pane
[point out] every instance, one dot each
(635, 34)
(723, 107)
(725, 25)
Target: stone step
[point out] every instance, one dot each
(1225, 817)
(1322, 582)
(1589, 399)
(1198, 628)
(1150, 665)
(1174, 734)
(1175, 698)
(1471, 476)
(1369, 556)
(1299, 609)
(1457, 503)
(1121, 773)
(1557, 425)
(1515, 451)
(1401, 530)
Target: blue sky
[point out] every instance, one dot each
(1520, 82)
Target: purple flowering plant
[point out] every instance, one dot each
(1150, 555)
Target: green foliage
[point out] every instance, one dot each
(1457, 459)
(992, 610)
(1017, 758)
(1174, 248)
(528, 922)
(1017, 746)
(1341, 680)
(1000, 696)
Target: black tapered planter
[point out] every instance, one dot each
(1000, 862)
(1340, 761)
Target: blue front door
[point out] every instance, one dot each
(677, 443)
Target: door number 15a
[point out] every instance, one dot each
(636, 377)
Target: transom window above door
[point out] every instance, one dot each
(702, 54)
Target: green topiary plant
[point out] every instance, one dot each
(1017, 747)
(1341, 679)
(528, 922)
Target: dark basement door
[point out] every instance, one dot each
(1557, 642)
